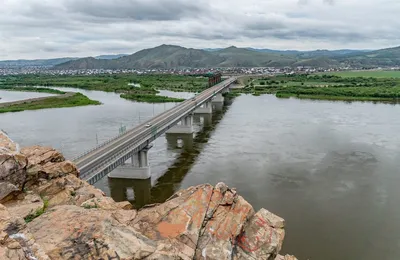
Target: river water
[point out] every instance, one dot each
(9, 96)
(331, 169)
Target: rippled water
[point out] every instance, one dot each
(331, 169)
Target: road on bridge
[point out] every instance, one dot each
(95, 157)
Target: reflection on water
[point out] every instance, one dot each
(170, 181)
(331, 169)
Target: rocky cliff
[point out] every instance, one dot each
(47, 212)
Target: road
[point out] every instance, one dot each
(135, 137)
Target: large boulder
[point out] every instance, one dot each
(12, 174)
(46, 163)
(71, 232)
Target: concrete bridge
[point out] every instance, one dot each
(135, 143)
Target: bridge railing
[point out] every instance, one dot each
(166, 121)
(128, 145)
(116, 137)
(113, 138)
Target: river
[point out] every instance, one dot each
(331, 169)
(9, 96)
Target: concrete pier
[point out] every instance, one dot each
(138, 168)
(185, 126)
(206, 108)
(180, 141)
(122, 190)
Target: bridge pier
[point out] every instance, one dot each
(185, 126)
(138, 168)
(205, 120)
(206, 108)
(218, 102)
(226, 90)
(175, 141)
(120, 190)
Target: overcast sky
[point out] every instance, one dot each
(79, 28)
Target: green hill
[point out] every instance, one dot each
(171, 56)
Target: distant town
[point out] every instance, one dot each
(187, 71)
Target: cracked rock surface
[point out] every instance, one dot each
(47, 212)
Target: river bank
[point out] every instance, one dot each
(47, 212)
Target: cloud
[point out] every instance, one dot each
(155, 10)
(56, 28)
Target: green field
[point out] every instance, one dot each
(328, 87)
(373, 74)
(51, 102)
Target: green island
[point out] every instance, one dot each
(141, 88)
(151, 98)
(73, 100)
(334, 86)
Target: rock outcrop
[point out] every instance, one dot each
(47, 212)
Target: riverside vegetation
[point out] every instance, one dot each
(327, 87)
(141, 88)
(370, 86)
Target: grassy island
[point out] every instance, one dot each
(68, 100)
(150, 98)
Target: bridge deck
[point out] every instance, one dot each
(92, 162)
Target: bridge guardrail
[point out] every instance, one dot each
(115, 138)
(146, 132)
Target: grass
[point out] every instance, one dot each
(150, 98)
(32, 89)
(38, 212)
(51, 102)
(369, 73)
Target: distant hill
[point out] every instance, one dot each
(48, 62)
(172, 56)
(312, 54)
(384, 57)
(110, 57)
(33, 63)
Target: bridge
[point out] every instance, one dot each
(135, 143)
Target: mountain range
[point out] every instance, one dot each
(172, 56)
(49, 62)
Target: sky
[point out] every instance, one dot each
(32, 29)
